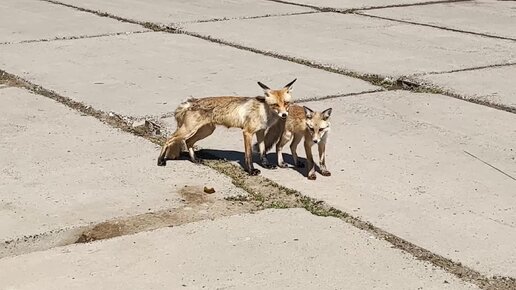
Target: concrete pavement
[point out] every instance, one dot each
(151, 73)
(29, 20)
(272, 249)
(402, 161)
(435, 173)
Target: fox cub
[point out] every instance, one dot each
(197, 118)
(302, 122)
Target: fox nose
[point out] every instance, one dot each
(283, 115)
(316, 141)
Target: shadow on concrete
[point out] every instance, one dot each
(230, 155)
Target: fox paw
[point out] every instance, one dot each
(269, 166)
(162, 162)
(283, 165)
(312, 176)
(197, 161)
(254, 172)
(325, 173)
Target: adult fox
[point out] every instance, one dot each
(197, 119)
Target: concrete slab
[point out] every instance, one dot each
(496, 18)
(270, 249)
(175, 11)
(151, 73)
(60, 169)
(23, 20)
(402, 161)
(351, 4)
(363, 44)
(494, 85)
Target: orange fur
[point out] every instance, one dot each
(197, 119)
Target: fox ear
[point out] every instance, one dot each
(289, 85)
(308, 112)
(326, 114)
(261, 98)
(264, 87)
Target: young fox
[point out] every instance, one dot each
(197, 118)
(302, 122)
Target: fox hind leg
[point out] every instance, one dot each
(200, 134)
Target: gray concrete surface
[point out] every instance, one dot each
(494, 85)
(436, 171)
(363, 44)
(23, 20)
(60, 169)
(273, 249)
(151, 73)
(350, 4)
(399, 161)
(169, 12)
(495, 18)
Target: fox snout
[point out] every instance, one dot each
(283, 115)
(316, 140)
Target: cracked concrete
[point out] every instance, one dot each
(282, 248)
(174, 12)
(61, 170)
(493, 85)
(398, 161)
(151, 73)
(434, 225)
(24, 20)
(344, 5)
(368, 46)
(493, 18)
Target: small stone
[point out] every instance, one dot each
(209, 190)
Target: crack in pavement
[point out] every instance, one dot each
(148, 25)
(492, 166)
(386, 82)
(465, 69)
(250, 17)
(435, 26)
(262, 193)
(352, 10)
(128, 225)
(74, 37)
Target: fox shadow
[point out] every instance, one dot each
(231, 155)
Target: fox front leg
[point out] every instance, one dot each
(322, 159)
(260, 137)
(310, 167)
(248, 143)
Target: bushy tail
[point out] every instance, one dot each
(180, 112)
(272, 135)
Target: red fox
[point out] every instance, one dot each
(302, 122)
(197, 119)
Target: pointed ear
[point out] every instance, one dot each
(264, 87)
(326, 114)
(289, 85)
(308, 112)
(261, 98)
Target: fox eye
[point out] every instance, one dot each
(287, 104)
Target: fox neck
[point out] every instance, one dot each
(271, 116)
